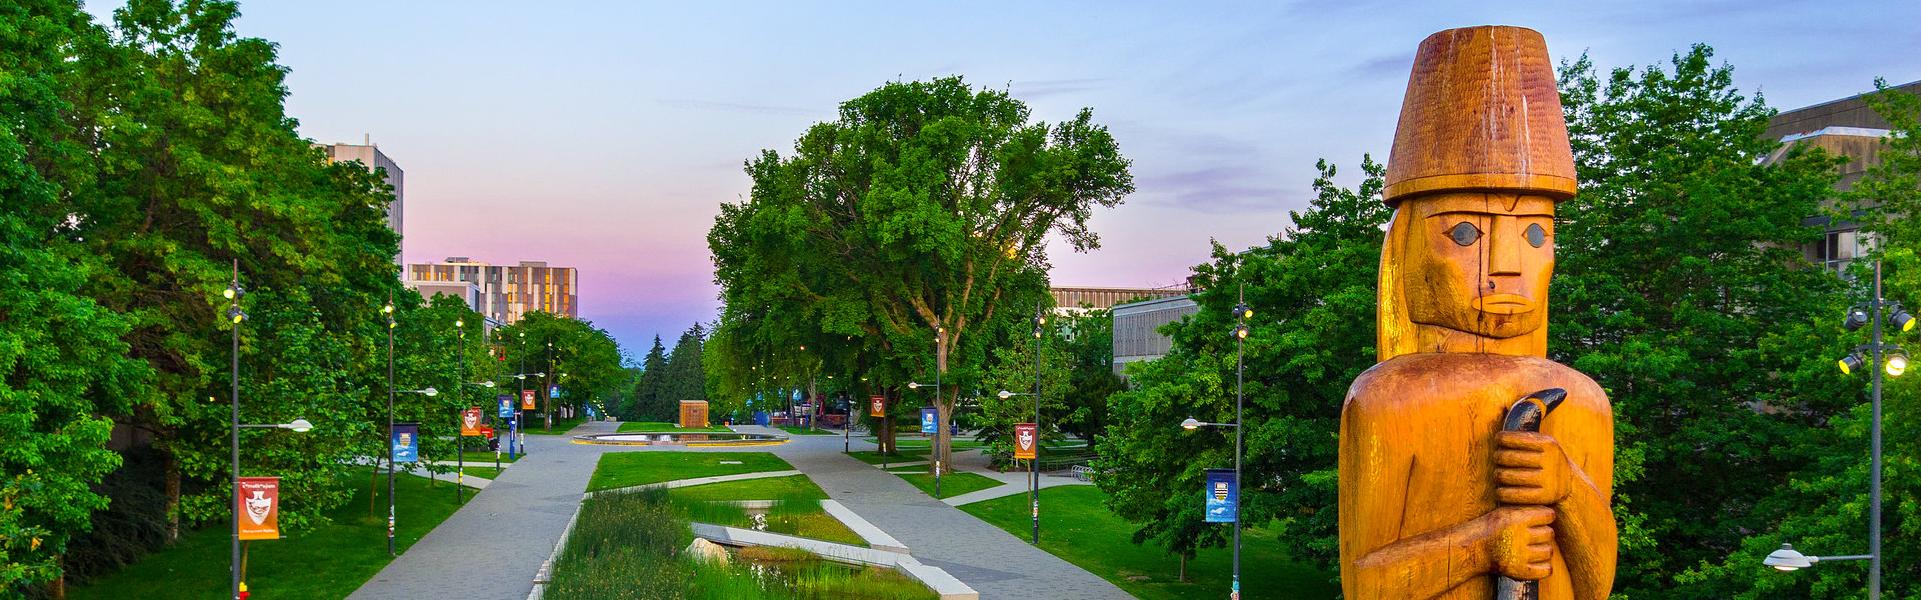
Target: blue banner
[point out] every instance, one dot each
(1223, 492)
(406, 443)
(929, 419)
(506, 405)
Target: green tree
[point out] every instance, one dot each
(901, 230)
(1089, 340)
(1313, 290)
(647, 388)
(62, 364)
(684, 378)
(1680, 290)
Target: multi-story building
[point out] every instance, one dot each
(1847, 127)
(370, 155)
(504, 292)
(1075, 299)
(1137, 325)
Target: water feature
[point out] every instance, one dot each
(669, 438)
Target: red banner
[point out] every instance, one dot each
(258, 501)
(470, 423)
(1026, 440)
(877, 406)
(527, 400)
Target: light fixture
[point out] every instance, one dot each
(1243, 311)
(234, 313)
(299, 426)
(1005, 394)
(1902, 320)
(913, 386)
(1788, 559)
(1190, 424)
(388, 309)
(1850, 363)
(1857, 318)
(1240, 331)
(541, 374)
(1897, 363)
(232, 291)
(459, 323)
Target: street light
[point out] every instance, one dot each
(388, 312)
(934, 449)
(427, 391)
(1789, 559)
(1894, 362)
(1241, 314)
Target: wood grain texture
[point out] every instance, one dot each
(1435, 500)
(1481, 113)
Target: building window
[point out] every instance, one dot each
(1839, 248)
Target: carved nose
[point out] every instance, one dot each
(1504, 247)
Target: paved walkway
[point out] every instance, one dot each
(492, 547)
(983, 556)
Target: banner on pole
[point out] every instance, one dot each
(406, 439)
(258, 501)
(553, 391)
(506, 405)
(877, 406)
(1223, 492)
(1026, 440)
(470, 422)
(527, 400)
(929, 418)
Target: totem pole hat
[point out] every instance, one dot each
(1482, 114)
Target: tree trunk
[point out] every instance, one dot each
(57, 589)
(171, 486)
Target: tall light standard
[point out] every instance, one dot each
(388, 311)
(1894, 361)
(463, 459)
(940, 429)
(547, 407)
(1241, 314)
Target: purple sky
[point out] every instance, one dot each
(603, 135)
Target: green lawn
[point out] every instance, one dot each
(536, 425)
(659, 427)
(328, 562)
(805, 431)
(483, 472)
(874, 458)
(1076, 526)
(624, 469)
(951, 484)
(793, 487)
(909, 443)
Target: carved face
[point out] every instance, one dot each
(1479, 262)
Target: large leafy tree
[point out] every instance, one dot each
(62, 363)
(1681, 291)
(1312, 289)
(900, 231)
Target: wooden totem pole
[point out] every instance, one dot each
(1471, 466)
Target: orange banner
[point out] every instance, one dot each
(877, 406)
(258, 501)
(527, 400)
(470, 423)
(1026, 440)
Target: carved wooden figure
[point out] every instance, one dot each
(1436, 500)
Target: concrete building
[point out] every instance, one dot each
(370, 155)
(1846, 127)
(1075, 299)
(504, 293)
(1137, 335)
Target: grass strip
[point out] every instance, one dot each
(328, 561)
(1077, 526)
(951, 484)
(625, 469)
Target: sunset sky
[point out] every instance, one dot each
(603, 135)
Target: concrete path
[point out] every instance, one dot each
(990, 560)
(492, 547)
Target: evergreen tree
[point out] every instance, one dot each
(647, 388)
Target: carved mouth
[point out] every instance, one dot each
(1503, 304)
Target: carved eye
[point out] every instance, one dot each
(1536, 236)
(1464, 233)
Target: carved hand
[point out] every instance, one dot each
(1530, 469)
(1521, 541)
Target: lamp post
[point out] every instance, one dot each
(1241, 314)
(463, 464)
(460, 391)
(298, 426)
(1887, 358)
(547, 407)
(935, 449)
(388, 311)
